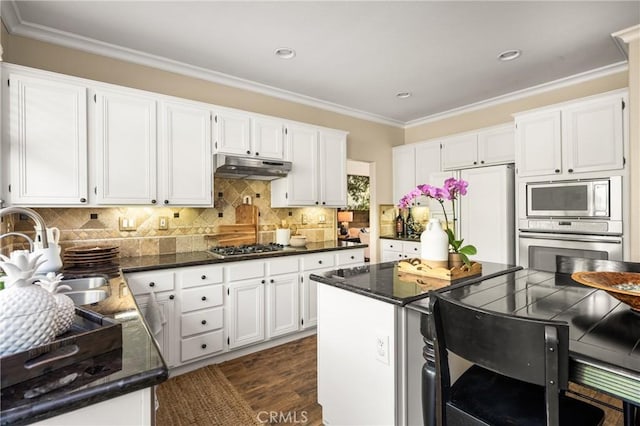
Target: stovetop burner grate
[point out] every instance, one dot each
(245, 249)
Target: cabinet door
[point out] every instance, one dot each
(283, 302)
(592, 135)
(459, 152)
(125, 134)
(309, 299)
(268, 138)
(496, 145)
(246, 312)
(333, 169)
(427, 161)
(167, 338)
(232, 134)
(48, 141)
(302, 181)
(538, 144)
(404, 173)
(185, 155)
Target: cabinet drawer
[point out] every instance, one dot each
(320, 260)
(411, 249)
(283, 265)
(201, 321)
(391, 245)
(201, 298)
(198, 346)
(246, 270)
(192, 277)
(350, 256)
(145, 282)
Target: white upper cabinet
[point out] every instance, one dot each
(185, 170)
(124, 126)
(412, 166)
(577, 137)
(47, 141)
(267, 135)
(232, 132)
(490, 146)
(319, 172)
(248, 135)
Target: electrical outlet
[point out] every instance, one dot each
(127, 224)
(163, 223)
(382, 348)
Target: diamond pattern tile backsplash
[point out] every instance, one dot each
(188, 227)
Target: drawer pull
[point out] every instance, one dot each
(152, 284)
(204, 277)
(262, 281)
(203, 346)
(204, 298)
(353, 257)
(203, 322)
(271, 280)
(172, 297)
(320, 262)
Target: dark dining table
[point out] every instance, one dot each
(604, 333)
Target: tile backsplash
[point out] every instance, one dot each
(189, 229)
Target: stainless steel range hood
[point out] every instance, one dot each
(234, 167)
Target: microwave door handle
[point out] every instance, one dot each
(577, 239)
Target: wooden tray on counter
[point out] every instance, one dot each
(90, 335)
(416, 267)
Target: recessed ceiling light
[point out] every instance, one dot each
(285, 52)
(509, 55)
(403, 95)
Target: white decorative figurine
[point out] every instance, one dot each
(66, 309)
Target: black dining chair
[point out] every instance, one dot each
(519, 372)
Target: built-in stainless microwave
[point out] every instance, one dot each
(597, 198)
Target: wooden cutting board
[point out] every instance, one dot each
(247, 213)
(236, 235)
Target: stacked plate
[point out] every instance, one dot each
(91, 260)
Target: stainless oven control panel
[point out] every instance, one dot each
(606, 227)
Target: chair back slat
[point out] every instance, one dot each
(508, 345)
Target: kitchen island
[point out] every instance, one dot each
(369, 343)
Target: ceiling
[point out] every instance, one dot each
(353, 56)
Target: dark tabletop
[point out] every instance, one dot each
(383, 282)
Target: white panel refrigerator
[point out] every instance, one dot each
(486, 215)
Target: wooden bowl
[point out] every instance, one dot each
(608, 280)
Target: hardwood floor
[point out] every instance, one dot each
(279, 383)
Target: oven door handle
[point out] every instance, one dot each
(577, 239)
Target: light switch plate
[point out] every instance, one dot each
(163, 223)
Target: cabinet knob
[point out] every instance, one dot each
(570, 170)
(262, 281)
(475, 162)
(203, 277)
(271, 280)
(166, 201)
(83, 200)
(248, 152)
(153, 201)
(415, 249)
(353, 257)
(204, 298)
(172, 297)
(320, 262)
(482, 162)
(323, 203)
(257, 153)
(557, 170)
(152, 284)
(317, 203)
(203, 322)
(203, 346)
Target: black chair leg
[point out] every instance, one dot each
(631, 414)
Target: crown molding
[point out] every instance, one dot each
(15, 25)
(628, 34)
(524, 93)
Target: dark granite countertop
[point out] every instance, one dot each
(147, 263)
(383, 282)
(415, 239)
(138, 364)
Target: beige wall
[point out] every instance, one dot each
(634, 137)
(501, 113)
(367, 141)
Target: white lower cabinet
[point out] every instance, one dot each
(283, 305)
(245, 312)
(399, 250)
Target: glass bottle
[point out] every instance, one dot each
(400, 229)
(410, 224)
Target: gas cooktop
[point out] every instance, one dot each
(231, 251)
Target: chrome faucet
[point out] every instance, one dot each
(40, 225)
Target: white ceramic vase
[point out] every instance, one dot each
(434, 245)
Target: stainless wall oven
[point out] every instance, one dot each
(579, 218)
